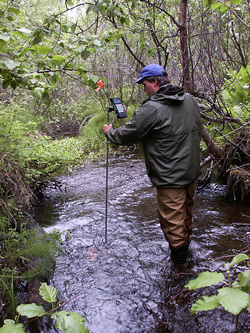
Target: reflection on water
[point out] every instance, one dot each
(129, 284)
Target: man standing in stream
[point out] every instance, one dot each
(169, 125)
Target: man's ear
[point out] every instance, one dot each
(155, 83)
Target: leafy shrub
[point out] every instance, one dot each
(237, 88)
(17, 251)
(233, 296)
(65, 321)
(37, 155)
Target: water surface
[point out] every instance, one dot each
(129, 285)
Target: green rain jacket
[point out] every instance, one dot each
(169, 125)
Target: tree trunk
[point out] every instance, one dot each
(184, 46)
(211, 146)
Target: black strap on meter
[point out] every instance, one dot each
(118, 108)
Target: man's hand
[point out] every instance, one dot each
(106, 128)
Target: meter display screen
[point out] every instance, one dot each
(116, 100)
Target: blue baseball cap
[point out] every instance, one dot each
(150, 70)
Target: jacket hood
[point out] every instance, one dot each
(167, 94)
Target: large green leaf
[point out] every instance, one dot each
(97, 42)
(36, 40)
(205, 279)
(248, 305)
(43, 49)
(244, 280)
(48, 293)
(30, 310)
(95, 78)
(54, 78)
(239, 258)
(95, 8)
(207, 2)
(5, 84)
(70, 322)
(25, 30)
(4, 36)
(38, 92)
(85, 54)
(11, 64)
(13, 10)
(11, 327)
(235, 2)
(215, 5)
(233, 300)
(58, 60)
(223, 8)
(205, 303)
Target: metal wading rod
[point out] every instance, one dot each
(107, 174)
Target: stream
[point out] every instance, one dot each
(129, 284)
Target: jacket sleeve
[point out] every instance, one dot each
(139, 126)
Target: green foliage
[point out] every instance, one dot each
(233, 300)
(206, 303)
(35, 154)
(65, 113)
(31, 58)
(17, 252)
(31, 310)
(48, 293)
(205, 279)
(11, 327)
(28, 158)
(67, 322)
(70, 322)
(93, 129)
(233, 297)
(236, 99)
(222, 6)
(48, 156)
(237, 92)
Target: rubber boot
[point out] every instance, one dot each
(179, 256)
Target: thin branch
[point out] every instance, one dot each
(83, 122)
(162, 10)
(240, 19)
(206, 161)
(231, 142)
(126, 44)
(238, 129)
(238, 167)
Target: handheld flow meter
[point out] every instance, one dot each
(118, 108)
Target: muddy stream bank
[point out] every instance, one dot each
(129, 285)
